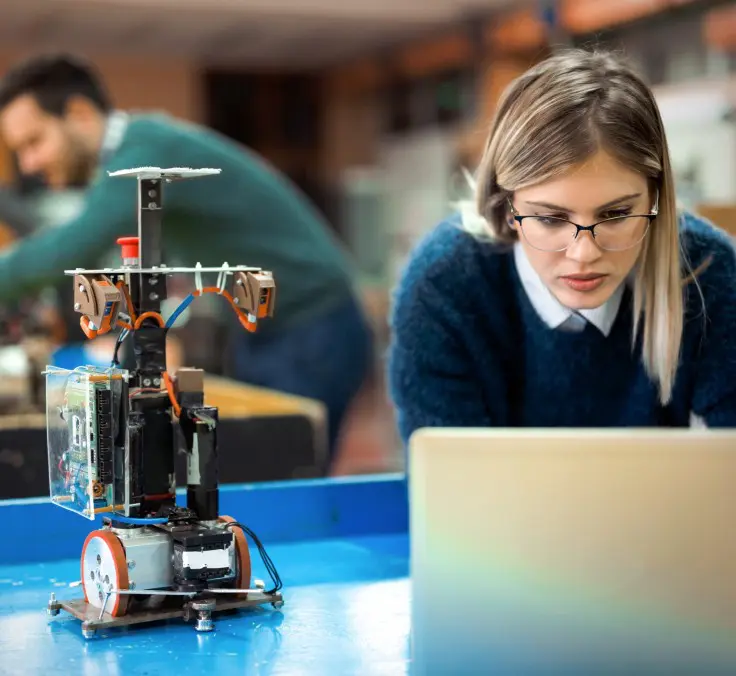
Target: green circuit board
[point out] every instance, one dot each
(81, 427)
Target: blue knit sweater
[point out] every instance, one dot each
(469, 350)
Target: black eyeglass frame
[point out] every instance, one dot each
(589, 228)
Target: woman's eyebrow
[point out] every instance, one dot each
(618, 200)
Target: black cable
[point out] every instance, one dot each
(121, 337)
(276, 579)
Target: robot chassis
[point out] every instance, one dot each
(112, 441)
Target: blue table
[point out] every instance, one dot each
(341, 547)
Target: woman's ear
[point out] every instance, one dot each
(509, 213)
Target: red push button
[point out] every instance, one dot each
(130, 247)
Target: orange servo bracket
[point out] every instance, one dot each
(97, 299)
(255, 293)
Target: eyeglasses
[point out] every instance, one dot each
(550, 233)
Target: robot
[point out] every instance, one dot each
(113, 435)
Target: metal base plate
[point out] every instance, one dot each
(171, 608)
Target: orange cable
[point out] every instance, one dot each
(136, 324)
(172, 396)
(152, 315)
(248, 325)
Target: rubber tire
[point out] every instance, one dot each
(120, 605)
(243, 553)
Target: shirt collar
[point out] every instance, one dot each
(554, 313)
(115, 127)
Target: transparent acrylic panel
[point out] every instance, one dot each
(83, 418)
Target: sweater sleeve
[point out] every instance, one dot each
(433, 355)
(109, 212)
(714, 397)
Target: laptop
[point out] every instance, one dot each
(566, 552)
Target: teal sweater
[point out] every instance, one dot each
(248, 215)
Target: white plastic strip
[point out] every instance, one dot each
(222, 277)
(198, 276)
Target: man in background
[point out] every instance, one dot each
(57, 118)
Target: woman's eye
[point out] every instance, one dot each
(550, 220)
(616, 213)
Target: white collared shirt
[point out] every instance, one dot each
(555, 314)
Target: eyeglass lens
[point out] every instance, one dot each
(555, 234)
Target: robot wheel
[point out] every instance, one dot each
(104, 568)
(243, 554)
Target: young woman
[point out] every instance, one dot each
(573, 293)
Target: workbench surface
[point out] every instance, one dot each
(346, 592)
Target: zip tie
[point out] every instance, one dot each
(222, 277)
(198, 277)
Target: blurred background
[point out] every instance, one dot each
(371, 107)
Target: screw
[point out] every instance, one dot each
(278, 604)
(77, 306)
(157, 381)
(204, 615)
(204, 624)
(153, 296)
(131, 565)
(146, 382)
(152, 193)
(259, 584)
(131, 586)
(53, 607)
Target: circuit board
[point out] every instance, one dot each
(82, 426)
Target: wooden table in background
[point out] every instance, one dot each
(238, 400)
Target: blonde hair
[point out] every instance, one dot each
(557, 115)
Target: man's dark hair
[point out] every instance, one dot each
(52, 79)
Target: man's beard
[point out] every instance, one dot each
(80, 171)
(81, 164)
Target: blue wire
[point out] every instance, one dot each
(183, 306)
(136, 521)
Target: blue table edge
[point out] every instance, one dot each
(279, 511)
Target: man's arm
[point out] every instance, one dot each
(40, 259)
